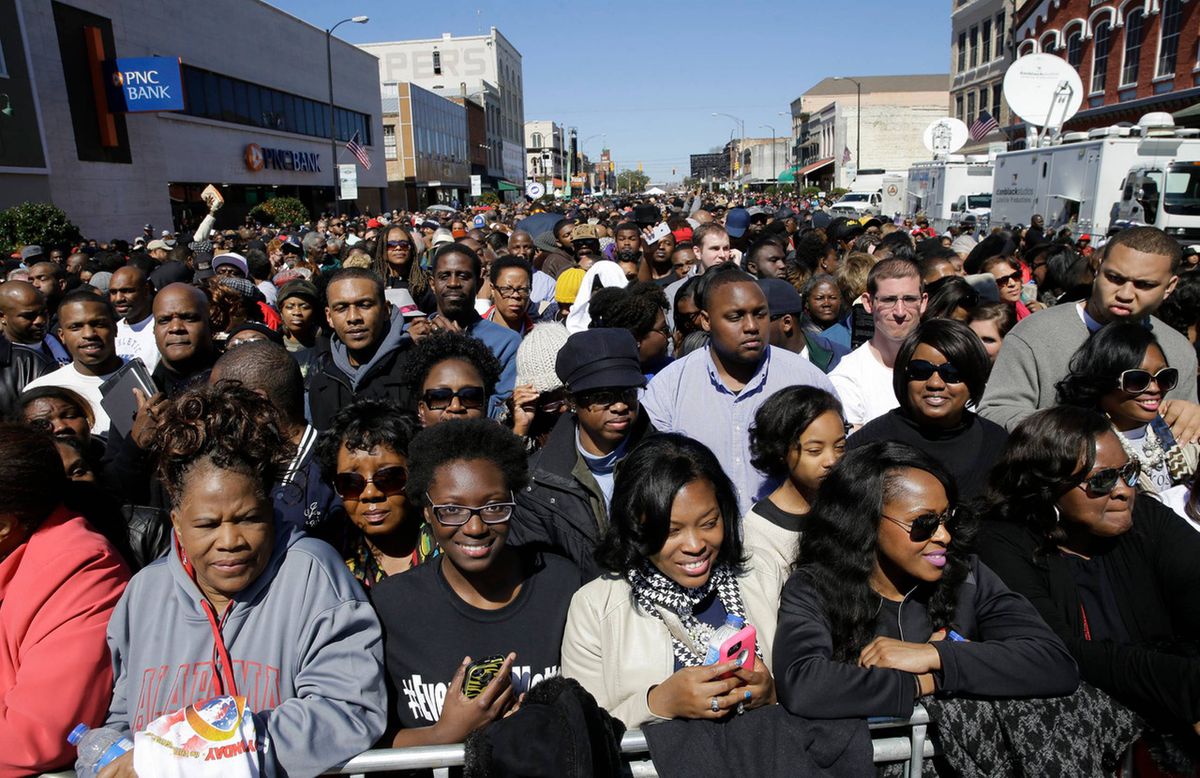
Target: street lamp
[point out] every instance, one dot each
(741, 143)
(857, 119)
(774, 170)
(332, 131)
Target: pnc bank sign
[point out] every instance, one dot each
(259, 158)
(138, 84)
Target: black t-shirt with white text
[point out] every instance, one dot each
(428, 629)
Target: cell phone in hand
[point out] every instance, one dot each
(479, 674)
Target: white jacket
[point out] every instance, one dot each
(618, 653)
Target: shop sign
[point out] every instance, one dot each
(137, 84)
(259, 157)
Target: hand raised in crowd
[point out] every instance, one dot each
(121, 767)
(1184, 418)
(145, 421)
(524, 408)
(689, 693)
(461, 715)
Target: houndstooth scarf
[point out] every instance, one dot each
(669, 602)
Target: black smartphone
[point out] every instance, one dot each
(479, 674)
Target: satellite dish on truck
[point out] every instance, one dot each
(945, 136)
(1043, 90)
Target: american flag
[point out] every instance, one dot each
(358, 151)
(845, 155)
(983, 126)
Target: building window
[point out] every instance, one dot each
(1168, 48)
(1101, 40)
(1135, 22)
(1075, 49)
(389, 141)
(970, 109)
(536, 140)
(986, 40)
(983, 100)
(958, 106)
(962, 51)
(437, 62)
(974, 46)
(1000, 34)
(998, 102)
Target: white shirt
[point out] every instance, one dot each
(137, 340)
(865, 386)
(86, 386)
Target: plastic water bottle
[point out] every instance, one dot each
(96, 748)
(732, 626)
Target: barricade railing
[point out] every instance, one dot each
(910, 744)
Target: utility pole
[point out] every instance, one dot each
(332, 125)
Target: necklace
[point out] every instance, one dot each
(1152, 456)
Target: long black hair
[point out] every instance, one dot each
(957, 343)
(644, 490)
(1047, 454)
(840, 542)
(1097, 365)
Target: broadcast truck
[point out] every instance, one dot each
(951, 191)
(1104, 180)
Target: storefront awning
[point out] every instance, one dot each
(789, 176)
(813, 167)
(507, 186)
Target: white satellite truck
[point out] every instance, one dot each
(872, 193)
(950, 191)
(1104, 180)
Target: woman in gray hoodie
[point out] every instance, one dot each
(241, 606)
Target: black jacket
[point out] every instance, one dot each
(562, 508)
(1011, 652)
(329, 389)
(1155, 577)
(18, 366)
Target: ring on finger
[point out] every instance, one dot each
(714, 705)
(747, 696)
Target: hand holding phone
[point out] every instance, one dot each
(461, 715)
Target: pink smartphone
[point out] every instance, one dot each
(741, 646)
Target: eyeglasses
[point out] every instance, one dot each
(891, 301)
(923, 370)
(687, 322)
(450, 515)
(663, 330)
(552, 406)
(1102, 482)
(606, 398)
(399, 244)
(1010, 278)
(513, 291)
(440, 399)
(389, 480)
(1138, 381)
(925, 526)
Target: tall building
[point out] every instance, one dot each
(426, 139)
(981, 49)
(1133, 57)
(546, 161)
(483, 68)
(895, 110)
(257, 124)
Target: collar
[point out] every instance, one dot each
(755, 382)
(1092, 325)
(601, 464)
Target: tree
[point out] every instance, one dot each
(280, 211)
(632, 181)
(40, 224)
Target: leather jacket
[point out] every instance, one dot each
(18, 366)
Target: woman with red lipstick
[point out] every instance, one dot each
(941, 368)
(1121, 371)
(888, 605)
(636, 637)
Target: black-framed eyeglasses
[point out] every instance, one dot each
(923, 370)
(606, 398)
(471, 397)
(513, 291)
(1102, 482)
(451, 515)
(1137, 381)
(390, 480)
(925, 526)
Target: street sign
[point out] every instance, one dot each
(144, 84)
(534, 189)
(476, 186)
(348, 182)
(479, 222)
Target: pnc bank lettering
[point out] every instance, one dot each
(260, 157)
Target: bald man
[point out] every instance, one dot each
(23, 320)
(131, 296)
(183, 336)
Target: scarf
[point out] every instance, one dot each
(669, 602)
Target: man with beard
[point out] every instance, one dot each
(585, 240)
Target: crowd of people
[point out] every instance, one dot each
(377, 454)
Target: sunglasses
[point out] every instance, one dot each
(451, 515)
(606, 398)
(399, 244)
(471, 397)
(923, 370)
(1005, 280)
(1138, 381)
(924, 526)
(389, 480)
(1102, 482)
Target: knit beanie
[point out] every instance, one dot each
(566, 288)
(963, 244)
(537, 354)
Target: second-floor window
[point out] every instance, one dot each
(1135, 23)
(1101, 39)
(1168, 49)
(986, 40)
(962, 51)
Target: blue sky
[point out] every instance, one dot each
(648, 75)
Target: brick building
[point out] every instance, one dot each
(1133, 56)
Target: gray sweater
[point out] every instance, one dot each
(1037, 353)
(306, 649)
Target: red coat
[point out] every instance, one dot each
(57, 591)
